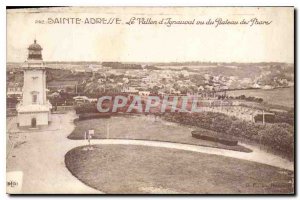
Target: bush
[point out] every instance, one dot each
(279, 136)
(221, 123)
(214, 138)
(285, 117)
(86, 108)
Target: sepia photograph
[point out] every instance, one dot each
(150, 100)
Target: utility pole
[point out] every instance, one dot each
(263, 120)
(59, 122)
(107, 129)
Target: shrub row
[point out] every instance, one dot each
(87, 116)
(279, 136)
(213, 138)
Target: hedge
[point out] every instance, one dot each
(278, 136)
(87, 116)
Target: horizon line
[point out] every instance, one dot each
(164, 62)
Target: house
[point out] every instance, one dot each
(101, 80)
(127, 89)
(255, 85)
(126, 80)
(144, 93)
(79, 70)
(66, 85)
(209, 87)
(95, 68)
(200, 88)
(14, 89)
(185, 73)
(267, 87)
(81, 99)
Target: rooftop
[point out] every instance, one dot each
(35, 46)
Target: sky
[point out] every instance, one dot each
(153, 43)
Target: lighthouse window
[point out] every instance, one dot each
(34, 98)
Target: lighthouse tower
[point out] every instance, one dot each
(34, 110)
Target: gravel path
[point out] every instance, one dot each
(256, 156)
(41, 157)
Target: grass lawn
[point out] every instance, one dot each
(118, 169)
(143, 128)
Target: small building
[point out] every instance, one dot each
(81, 100)
(128, 89)
(66, 85)
(13, 90)
(144, 93)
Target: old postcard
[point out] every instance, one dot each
(150, 100)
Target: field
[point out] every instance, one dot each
(139, 169)
(279, 96)
(133, 127)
